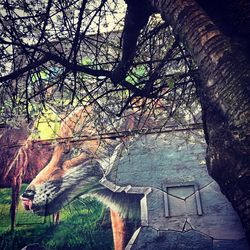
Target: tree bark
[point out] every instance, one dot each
(224, 95)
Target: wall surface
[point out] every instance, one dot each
(182, 207)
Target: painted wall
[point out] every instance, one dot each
(183, 207)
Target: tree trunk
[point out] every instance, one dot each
(224, 96)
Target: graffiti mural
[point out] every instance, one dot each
(118, 190)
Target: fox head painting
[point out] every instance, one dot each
(74, 171)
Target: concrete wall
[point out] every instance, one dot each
(183, 207)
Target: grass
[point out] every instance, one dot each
(81, 227)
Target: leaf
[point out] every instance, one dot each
(86, 61)
(136, 74)
(171, 83)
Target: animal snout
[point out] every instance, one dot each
(27, 198)
(29, 194)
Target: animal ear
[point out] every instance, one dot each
(74, 122)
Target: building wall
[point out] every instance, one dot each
(183, 207)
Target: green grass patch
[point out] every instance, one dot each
(81, 227)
